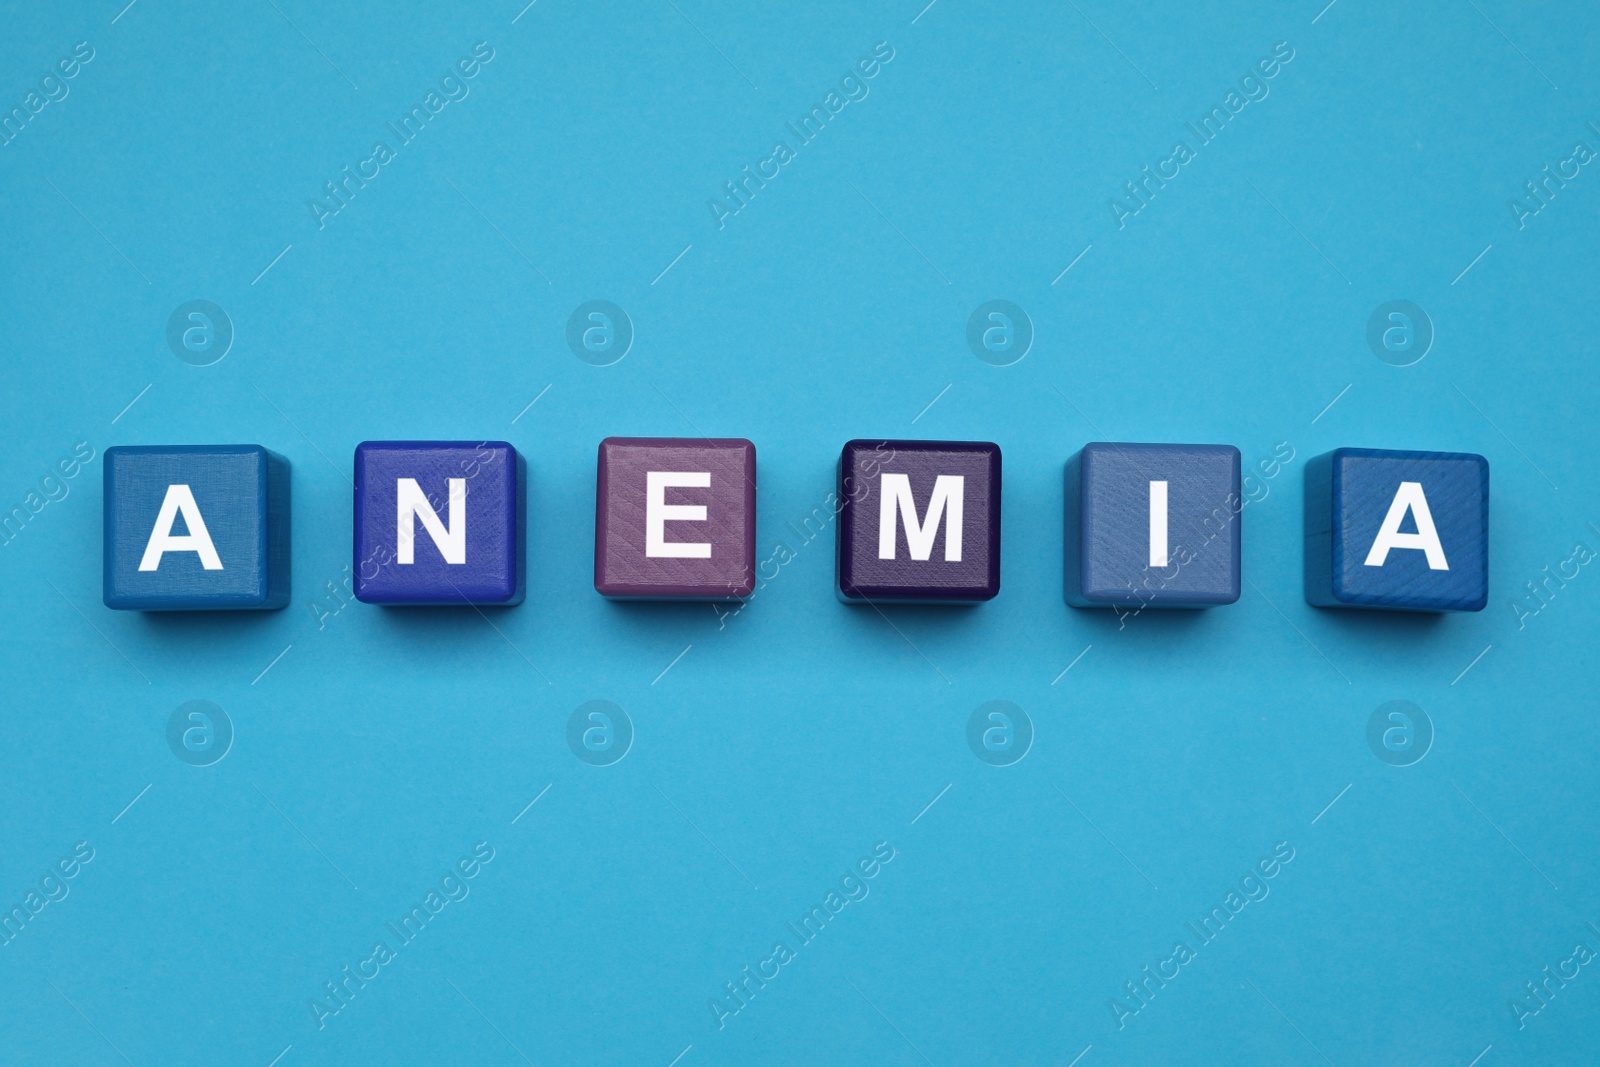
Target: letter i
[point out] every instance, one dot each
(1158, 524)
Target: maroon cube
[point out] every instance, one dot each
(675, 518)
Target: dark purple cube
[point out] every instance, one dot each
(919, 521)
(675, 518)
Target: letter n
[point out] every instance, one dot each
(412, 504)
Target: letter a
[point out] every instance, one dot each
(411, 504)
(895, 499)
(1408, 498)
(179, 500)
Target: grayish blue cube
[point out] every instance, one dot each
(1151, 525)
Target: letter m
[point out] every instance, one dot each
(895, 501)
(412, 504)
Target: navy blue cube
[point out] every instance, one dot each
(919, 522)
(196, 528)
(1400, 531)
(439, 522)
(1153, 526)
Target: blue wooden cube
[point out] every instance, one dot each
(1153, 526)
(919, 521)
(439, 522)
(1400, 531)
(196, 528)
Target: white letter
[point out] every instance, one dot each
(895, 493)
(411, 504)
(657, 513)
(180, 499)
(1158, 524)
(1408, 496)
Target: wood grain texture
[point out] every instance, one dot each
(622, 567)
(242, 493)
(493, 574)
(863, 576)
(1348, 494)
(1107, 558)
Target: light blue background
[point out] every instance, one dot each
(374, 751)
